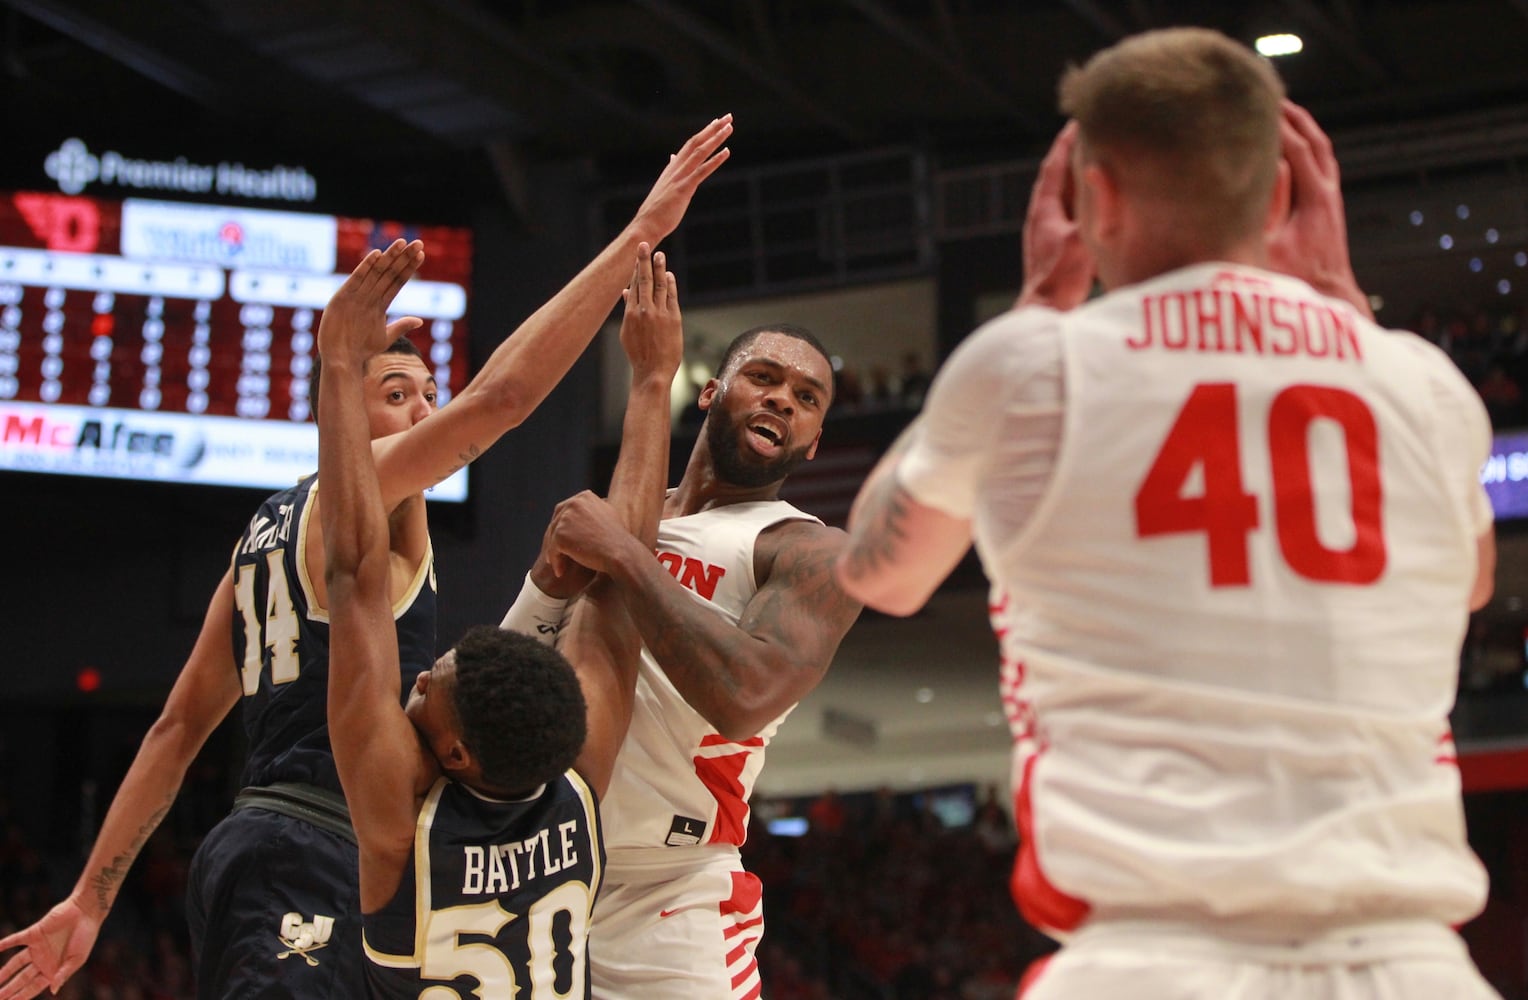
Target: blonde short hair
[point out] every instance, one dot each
(1184, 115)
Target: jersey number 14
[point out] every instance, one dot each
(1206, 436)
(269, 625)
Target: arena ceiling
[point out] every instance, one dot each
(457, 86)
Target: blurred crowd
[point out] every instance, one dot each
(884, 898)
(1490, 346)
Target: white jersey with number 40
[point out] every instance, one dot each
(1231, 627)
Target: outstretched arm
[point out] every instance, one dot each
(899, 550)
(601, 642)
(55, 947)
(526, 366)
(375, 748)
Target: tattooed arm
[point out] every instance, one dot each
(899, 550)
(52, 949)
(739, 677)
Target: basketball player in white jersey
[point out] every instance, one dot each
(739, 616)
(1234, 532)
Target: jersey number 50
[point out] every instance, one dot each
(1206, 436)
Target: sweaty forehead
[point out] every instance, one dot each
(790, 352)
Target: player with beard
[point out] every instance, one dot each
(740, 616)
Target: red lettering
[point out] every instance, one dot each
(1279, 322)
(1346, 335)
(61, 222)
(692, 573)
(19, 432)
(670, 561)
(1247, 322)
(1317, 342)
(1207, 307)
(1175, 338)
(701, 578)
(1149, 306)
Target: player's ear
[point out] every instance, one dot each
(811, 451)
(456, 758)
(1108, 205)
(1279, 202)
(708, 394)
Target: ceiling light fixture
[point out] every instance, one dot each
(1273, 46)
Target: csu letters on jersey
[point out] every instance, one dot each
(701, 577)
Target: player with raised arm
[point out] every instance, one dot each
(272, 898)
(1234, 531)
(740, 616)
(475, 805)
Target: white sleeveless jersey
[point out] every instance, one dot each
(1230, 629)
(677, 781)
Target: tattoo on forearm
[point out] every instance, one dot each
(108, 880)
(463, 460)
(877, 542)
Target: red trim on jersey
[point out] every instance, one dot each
(742, 977)
(747, 894)
(1032, 974)
(722, 775)
(1042, 904)
(747, 897)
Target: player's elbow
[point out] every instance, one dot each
(884, 594)
(506, 402)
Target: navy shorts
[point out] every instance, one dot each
(274, 909)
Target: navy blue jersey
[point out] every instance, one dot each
(286, 668)
(495, 899)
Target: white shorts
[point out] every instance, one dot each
(686, 934)
(1404, 960)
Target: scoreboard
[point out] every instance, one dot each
(175, 342)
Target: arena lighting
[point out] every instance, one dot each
(1278, 45)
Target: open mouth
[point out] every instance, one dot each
(766, 436)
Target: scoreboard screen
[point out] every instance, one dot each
(175, 342)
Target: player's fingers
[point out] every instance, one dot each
(1321, 144)
(403, 326)
(671, 291)
(28, 982)
(705, 142)
(16, 962)
(400, 267)
(708, 168)
(1051, 180)
(660, 280)
(1301, 159)
(643, 282)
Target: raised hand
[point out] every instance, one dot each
(652, 331)
(1058, 270)
(1312, 242)
(52, 950)
(670, 196)
(354, 323)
